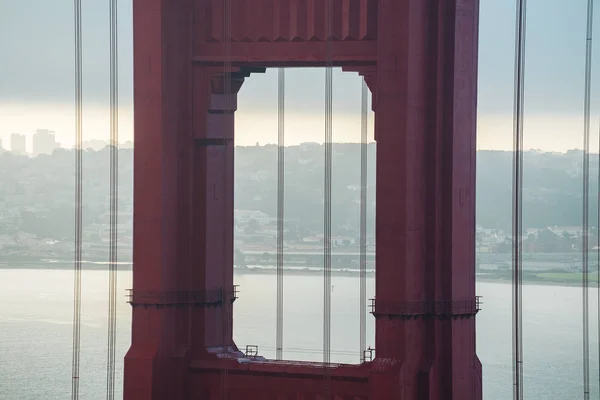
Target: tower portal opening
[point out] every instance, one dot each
(256, 203)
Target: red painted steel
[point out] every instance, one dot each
(419, 59)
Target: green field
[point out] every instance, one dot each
(566, 276)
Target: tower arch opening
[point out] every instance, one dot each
(255, 203)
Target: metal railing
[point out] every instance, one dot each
(251, 350)
(426, 307)
(368, 355)
(211, 297)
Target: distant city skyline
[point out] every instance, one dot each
(36, 79)
(20, 143)
(99, 144)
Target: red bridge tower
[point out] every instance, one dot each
(419, 58)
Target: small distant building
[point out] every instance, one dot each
(44, 142)
(17, 143)
(245, 216)
(573, 231)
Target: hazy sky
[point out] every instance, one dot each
(36, 78)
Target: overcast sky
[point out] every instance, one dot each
(36, 77)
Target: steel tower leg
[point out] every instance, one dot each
(155, 365)
(425, 119)
(183, 290)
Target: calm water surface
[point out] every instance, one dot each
(36, 311)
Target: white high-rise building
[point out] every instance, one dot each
(17, 143)
(44, 142)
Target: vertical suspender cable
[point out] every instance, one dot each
(598, 250)
(517, 199)
(363, 221)
(227, 71)
(586, 195)
(114, 195)
(280, 206)
(327, 198)
(78, 205)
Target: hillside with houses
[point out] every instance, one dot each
(37, 202)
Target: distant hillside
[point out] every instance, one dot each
(36, 194)
(552, 189)
(552, 193)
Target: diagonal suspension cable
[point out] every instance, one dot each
(521, 20)
(363, 221)
(586, 195)
(327, 199)
(280, 206)
(78, 206)
(114, 196)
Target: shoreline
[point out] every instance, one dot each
(529, 278)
